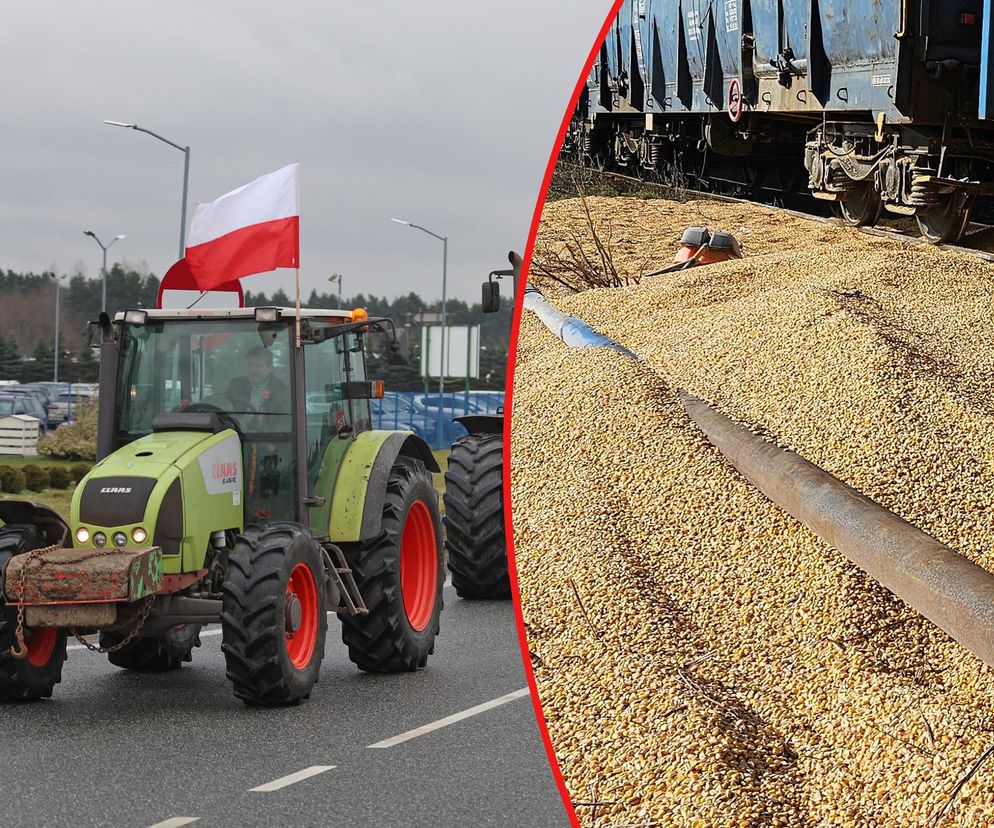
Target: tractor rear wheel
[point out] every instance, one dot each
(474, 517)
(35, 676)
(274, 614)
(155, 654)
(400, 577)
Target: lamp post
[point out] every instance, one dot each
(442, 361)
(337, 277)
(58, 284)
(186, 176)
(103, 269)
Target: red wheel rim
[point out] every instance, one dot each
(418, 565)
(735, 102)
(41, 645)
(300, 644)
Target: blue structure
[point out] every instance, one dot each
(421, 413)
(871, 104)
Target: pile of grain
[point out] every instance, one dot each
(702, 658)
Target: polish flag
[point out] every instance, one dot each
(253, 229)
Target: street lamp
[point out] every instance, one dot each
(58, 284)
(445, 261)
(103, 270)
(186, 176)
(337, 277)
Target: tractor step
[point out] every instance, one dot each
(63, 576)
(349, 597)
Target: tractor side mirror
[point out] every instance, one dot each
(491, 297)
(394, 354)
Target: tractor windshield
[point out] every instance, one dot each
(237, 366)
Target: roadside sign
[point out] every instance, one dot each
(462, 343)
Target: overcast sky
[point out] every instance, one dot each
(439, 112)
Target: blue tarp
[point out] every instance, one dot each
(430, 415)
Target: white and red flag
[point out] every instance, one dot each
(253, 229)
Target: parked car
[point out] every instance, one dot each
(24, 405)
(34, 409)
(59, 408)
(48, 393)
(35, 393)
(53, 388)
(394, 411)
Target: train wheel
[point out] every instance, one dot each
(946, 221)
(860, 208)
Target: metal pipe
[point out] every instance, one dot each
(951, 591)
(574, 332)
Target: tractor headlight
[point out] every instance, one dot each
(120, 539)
(82, 535)
(100, 539)
(139, 535)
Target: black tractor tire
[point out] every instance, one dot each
(33, 677)
(274, 571)
(474, 517)
(154, 654)
(385, 640)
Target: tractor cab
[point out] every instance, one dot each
(294, 410)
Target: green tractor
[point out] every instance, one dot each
(238, 482)
(474, 488)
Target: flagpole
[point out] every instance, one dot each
(298, 307)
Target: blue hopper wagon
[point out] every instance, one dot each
(871, 104)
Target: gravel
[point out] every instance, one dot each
(702, 658)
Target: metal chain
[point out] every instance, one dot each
(139, 624)
(20, 650)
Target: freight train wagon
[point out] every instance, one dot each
(871, 104)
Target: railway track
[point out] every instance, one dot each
(978, 241)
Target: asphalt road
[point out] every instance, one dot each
(114, 748)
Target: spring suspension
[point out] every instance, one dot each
(655, 153)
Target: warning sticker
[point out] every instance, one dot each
(693, 24)
(731, 15)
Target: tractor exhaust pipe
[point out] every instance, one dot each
(952, 592)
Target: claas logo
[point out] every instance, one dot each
(225, 472)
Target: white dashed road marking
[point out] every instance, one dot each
(292, 779)
(455, 717)
(175, 822)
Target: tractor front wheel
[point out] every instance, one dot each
(35, 675)
(274, 614)
(400, 577)
(155, 654)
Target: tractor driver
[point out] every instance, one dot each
(259, 391)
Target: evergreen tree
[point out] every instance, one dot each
(41, 365)
(87, 366)
(11, 364)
